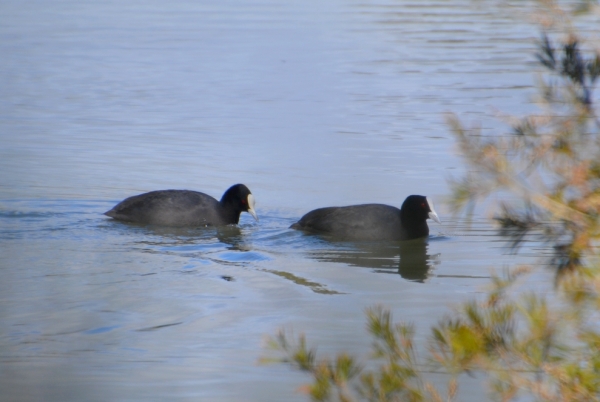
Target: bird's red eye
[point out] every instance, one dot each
(244, 202)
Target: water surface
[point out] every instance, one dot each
(310, 104)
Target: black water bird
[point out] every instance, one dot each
(372, 222)
(185, 208)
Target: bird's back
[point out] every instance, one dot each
(356, 222)
(169, 208)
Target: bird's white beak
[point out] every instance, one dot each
(251, 210)
(433, 215)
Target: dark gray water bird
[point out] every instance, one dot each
(372, 222)
(185, 208)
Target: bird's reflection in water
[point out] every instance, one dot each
(408, 258)
(414, 261)
(230, 236)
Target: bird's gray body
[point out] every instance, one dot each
(373, 222)
(173, 208)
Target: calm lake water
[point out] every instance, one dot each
(310, 104)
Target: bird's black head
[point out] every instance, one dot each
(417, 208)
(238, 198)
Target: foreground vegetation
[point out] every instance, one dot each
(550, 164)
